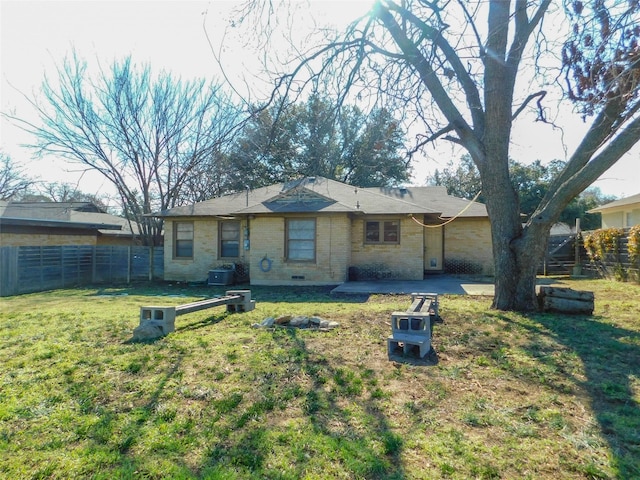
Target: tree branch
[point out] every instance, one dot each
(431, 82)
(524, 28)
(539, 95)
(469, 87)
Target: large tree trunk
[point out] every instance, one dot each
(512, 268)
(516, 264)
(516, 253)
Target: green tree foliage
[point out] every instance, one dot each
(531, 181)
(264, 153)
(461, 179)
(213, 177)
(318, 138)
(591, 198)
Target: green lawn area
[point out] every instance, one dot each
(513, 396)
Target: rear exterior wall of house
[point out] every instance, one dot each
(467, 246)
(269, 264)
(400, 260)
(339, 243)
(205, 251)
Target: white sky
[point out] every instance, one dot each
(36, 35)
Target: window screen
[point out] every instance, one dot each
(183, 239)
(230, 239)
(301, 239)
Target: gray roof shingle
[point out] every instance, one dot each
(623, 202)
(319, 194)
(61, 214)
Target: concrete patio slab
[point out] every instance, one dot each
(440, 284)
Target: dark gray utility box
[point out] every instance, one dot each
(220, 277)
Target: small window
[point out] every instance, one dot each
(387, 231)
(301, 240)
(183, 239)
(229, 239)
(372, 233)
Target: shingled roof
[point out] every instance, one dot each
(319, 194)
(45, 210)
(83, 215)
(623, 202)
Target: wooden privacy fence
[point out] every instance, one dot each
(28, 269)
(615, 264)
(560, 257)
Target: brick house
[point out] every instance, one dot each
(316, 231)
(623, 213)
(61, 223)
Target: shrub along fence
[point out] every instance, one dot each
(28, 269)
(614, 253)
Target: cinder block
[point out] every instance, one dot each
(418, 324)
(163, 317)
(243, 304)
(410, 346)
(411, 332)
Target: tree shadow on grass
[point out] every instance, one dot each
(610, 358)
(289, 294)
(205, 322)
(183, 327)
(146, 412)
(102, 433)
(308, 412)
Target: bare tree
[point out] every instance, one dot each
(67, 192)
(146, 134)
(467, 70)
(13, 180)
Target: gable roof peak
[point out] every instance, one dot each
(301, 183)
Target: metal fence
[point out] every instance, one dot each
(28, 269)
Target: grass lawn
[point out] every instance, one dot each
(513, 396)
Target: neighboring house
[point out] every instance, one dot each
(623, 213)
(61, 223)
(561, 228)
(318, 231)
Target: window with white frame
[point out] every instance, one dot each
(183, 239)
(229, 239)
(301, 239)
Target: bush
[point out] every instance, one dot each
(634, 244)
(600, 242)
